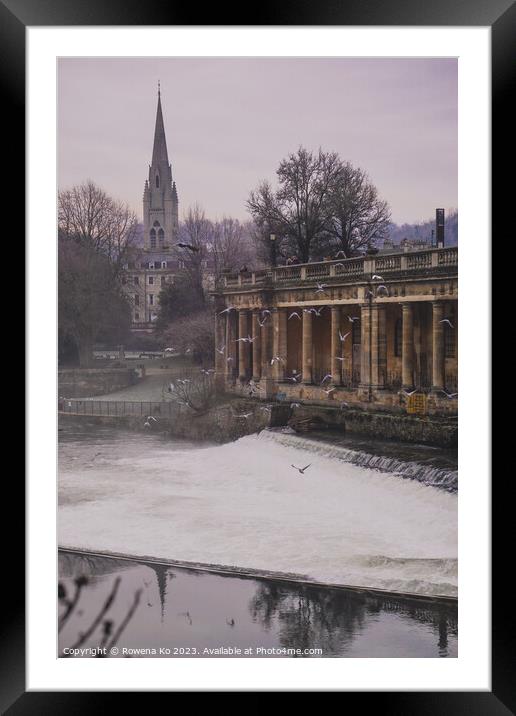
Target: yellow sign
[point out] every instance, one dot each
(416, 404)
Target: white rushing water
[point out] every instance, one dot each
(243, 505)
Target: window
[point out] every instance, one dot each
(153, 238)
(398, 337)
(151, 280)
(163, 280)
(136, 316)
(151, 264)
(449, 341)
(161, 237)
(151, 299)
(136, 280)
(163, 264)
(136, 299)
(157, 181)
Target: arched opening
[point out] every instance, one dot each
(161, 237)
(157, 181)
(153, 238)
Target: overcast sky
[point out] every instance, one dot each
(230, 121)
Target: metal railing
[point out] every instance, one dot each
(77, 406)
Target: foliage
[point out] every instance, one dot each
(96, 237)
(193, 334)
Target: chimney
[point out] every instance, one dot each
(439, 227)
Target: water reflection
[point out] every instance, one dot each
(189, 609)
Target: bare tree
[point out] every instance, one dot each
(195, 235)
(298, 211)
(196, 391)
(232, 246)
(87, 215)
(357, 217)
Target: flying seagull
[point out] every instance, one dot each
(330, 390)
(301, 470)
(227, 310)
(221, 349)
(326, 377)
(408, 393)
(380, 278)
(320, 288)
(343, 337)
(294, 314)
(244, 415)
(261, 323)
(352, 318)
(188, 246)
(446, 320)
(449, 395)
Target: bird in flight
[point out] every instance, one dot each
(339, 358)
(446, 320)
(352, 318)
(294, 314)
(261, 323)
(382, 288)
(295, 405)
(343, 337)
(266, 312)
(380, 278)
(228, 359)
(227, 310)
(230, 622)
(320, 288)
(221, 349)
(295, 378)
(277, 359)
(244, 415)
(330, 390)
(449, 395)
(326, 377)
(407, 392)
(317, 312)
(188, 246)
(301, 470)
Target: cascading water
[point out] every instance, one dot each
(349, 519)
(429, 474)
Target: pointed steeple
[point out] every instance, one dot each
(159, 151)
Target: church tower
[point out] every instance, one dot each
(160, 203)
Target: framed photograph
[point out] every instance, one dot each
(258, 268)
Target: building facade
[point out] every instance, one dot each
(374, 329)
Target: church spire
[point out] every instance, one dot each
(159, 150)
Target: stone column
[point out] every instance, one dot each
(378, 346)
(437, 346)
(407, 351)
(279, 342)
(336, 346)
(243, 346)
(365, 345)
(257, 346)
(266, 348)
(231, 346)
(307, 347)
(220, 340)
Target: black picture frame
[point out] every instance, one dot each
(500, 15)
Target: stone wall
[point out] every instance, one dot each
(86, 382)
(237, 418)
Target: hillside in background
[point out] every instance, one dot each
(423, 230)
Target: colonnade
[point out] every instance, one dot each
(262, 348)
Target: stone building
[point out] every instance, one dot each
(374, 329)
(156, 264)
